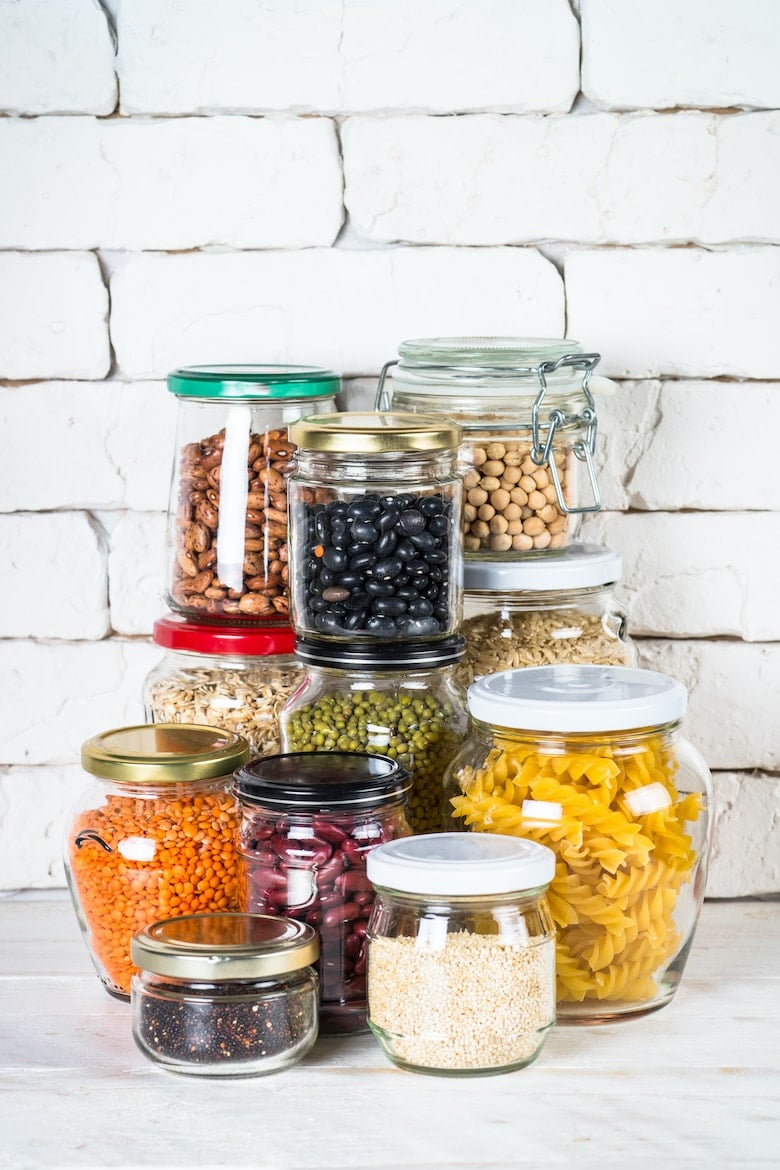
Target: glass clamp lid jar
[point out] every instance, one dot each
(227, 555)
(543, 610)
(308, 822)
(399, 700)
(461, 952)
(376, 527)
(153, 836)
(225, 995)
(589, 761)
(529, 429)
(233, 677)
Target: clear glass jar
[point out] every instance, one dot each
(529, 432)
(543, 610)
(226, 544)
(308, 823)
(225, 995)
(589, 760)
(461, 953)
(376, 527)
(232, 677)
(401, 701)
(152, 837)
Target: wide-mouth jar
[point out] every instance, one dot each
(153, 836)
(225, 995)
(589, 760)
(233, 677)
(375, 513)
(461, 952)
(543, 610)
(529, 433)
(309, 820)
(227, 540)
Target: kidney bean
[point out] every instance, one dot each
(354, 851)
(327, 873)
(328, 832)
(295, 851)
(268, 879)
(359, 928)
(331, 898)
(361, 964)
(352, 945)
(364, 898)
(353, 881)
(314, 918)
(338, 915)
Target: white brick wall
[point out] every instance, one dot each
(340, 175)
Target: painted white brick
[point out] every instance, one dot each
(697, 575)
(35, 806)
(169, 183)
(53, 316)
(745, 859)
(56, 583)
(733, 687)
(341, 55)
(671, 445)
(492, 180)
(668, 54)
(58, 695)
(677, 311)
(136, 572)
(56, 56)
(339, 308)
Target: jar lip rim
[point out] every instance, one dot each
(272, 382)
(320, 781)
(387, 657)
(163, 753)
(225, 945)
(366, 433)
(456, 864)
(579, 566)
(175, 632)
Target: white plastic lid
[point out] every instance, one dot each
(571, 698)
(461, 864)
(580, 566)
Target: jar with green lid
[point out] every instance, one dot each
(235, 677)
(589, 760)
(529, 433)
(225, 995)
(403, 701)
(227, 555)
(376, 527)
(542, 610)
(152, 837)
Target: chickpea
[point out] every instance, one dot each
(541, 477)
(500, 542)
(478, 456)
(490, 483)
(511, 475)
(477, 496)
(527, 483)
(493, 467)
(548, 513)
(499, 525)
(514, 527)
(522, 543)
(496, 451)
(500, 499)
(480, 529)
(471, 478)
(536, 500)
(518, 496)
(512, 511)
(543, 540)
(469, 512)
(486, 512)
(533, 526)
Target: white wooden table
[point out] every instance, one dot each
(694, 1085)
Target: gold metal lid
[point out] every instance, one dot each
(168, 753)
(375, 432)
(218, 947)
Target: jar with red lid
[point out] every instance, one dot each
(236, 678)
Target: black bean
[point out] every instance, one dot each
(432, 506)
(432, 593)
(417, 568)
(362, 530)
(424, 541)
(334, 558)
(387, 569)
(381, 625)
(361, 510)
(421, 608)
(361, 562)
(327, 577)
(386, 544)
(349, 580)
(406, 593)
(356, 620)
(338, 532)
(328, 623)
(388, 519)
(357, 601)
(439, 525)
(437, 556)
(389, 607)
(405, 550)
(411, 521)
(380, 588)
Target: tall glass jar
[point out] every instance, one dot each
(152, 837)
(461, 953)
(402, 701)
(529, 433)
(543, 610)
(376, 527)
(308, 823)
(234, 677)
(226, 546)
(589, 760)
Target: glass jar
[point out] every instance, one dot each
(461, 953)
(589, 760)
(543, 610)
(529, 429)
(376, 518)
(401, 701)
(232, 677)
(226, 545)
(225, 995)
(308, 823)
(153, 836)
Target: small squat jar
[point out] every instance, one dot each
(589, 760)
(461, 953)
(223, 676)
(544, 610)
(153, 836)
(308, 823)
(376, 527)
(225, 995)
(401, 701)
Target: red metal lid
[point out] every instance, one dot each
(176, 633)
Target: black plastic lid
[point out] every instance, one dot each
(388, 656)
(321, 781)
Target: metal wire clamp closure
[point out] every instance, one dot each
(543, 446)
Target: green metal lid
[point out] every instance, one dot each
(245, 383)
